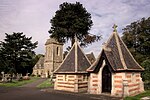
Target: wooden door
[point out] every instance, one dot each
(106, 80)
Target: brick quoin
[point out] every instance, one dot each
(134, 89)
(60, 76)
(65, 83)
(118, 76)
(137, 75)
(70, 79)
(95, 85)
(119, 91)
(60, 79)
(65, 86)
(131, 85)
(129, 81)
(128, 76)
(94, 89)
(118, 81)
(118, 86)
(79, 76)
(137, 80)
(71, 76)
(95, 81)
(95, 76)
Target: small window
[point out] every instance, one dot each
(57, 51)
(49, 52)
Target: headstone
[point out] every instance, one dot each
(146, 98)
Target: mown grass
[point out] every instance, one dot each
(139, 96)
(45, 84)
(16, 83)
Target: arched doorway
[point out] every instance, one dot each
(106, 79)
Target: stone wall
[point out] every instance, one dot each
(73, 83)
(93, 84)
(117, 84)
(135, 84)
(123, 84)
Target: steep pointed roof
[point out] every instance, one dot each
(75, 61)
(117, 56)
(40, 63)
(91, 57)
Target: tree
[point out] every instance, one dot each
(70, 20)
(137, 38)
(146, 73)
(17, 53)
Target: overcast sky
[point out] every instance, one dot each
(32, 17)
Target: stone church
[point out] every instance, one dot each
(52, 59)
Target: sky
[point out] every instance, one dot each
(32, 17)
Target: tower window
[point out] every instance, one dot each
(57, 51)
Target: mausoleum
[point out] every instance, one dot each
(71, 75)
(115, 71)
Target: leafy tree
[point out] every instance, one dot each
(146, 73)
(72, 19)
(17, 53)
(137, 38)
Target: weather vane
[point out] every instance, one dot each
(115, 28)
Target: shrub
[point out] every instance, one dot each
(146, 74)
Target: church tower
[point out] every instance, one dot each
(53, 56)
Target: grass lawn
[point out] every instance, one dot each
(139, 96)
(45, 84)
(19, 83)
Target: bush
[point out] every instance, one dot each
(147, 85)
(146, 74)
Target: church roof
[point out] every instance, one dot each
(91, 57)
(75, 61)
(117, 56)
(52, 41)
(40, 63)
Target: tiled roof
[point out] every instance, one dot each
(117, 56)
(75, 61)
(91, 57)
(40, 63)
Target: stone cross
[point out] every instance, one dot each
(75, 37)
(3, 76)
(115, 28)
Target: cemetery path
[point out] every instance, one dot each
(30, 92)
(35, 83)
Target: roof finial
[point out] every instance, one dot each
(115, 28)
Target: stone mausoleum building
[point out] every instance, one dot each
(71, 75)
(114, 72)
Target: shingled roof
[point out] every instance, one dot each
(91, 57)
(40, 63)
(116, 55)
(75, 61)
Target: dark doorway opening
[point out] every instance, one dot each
(106, 79)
